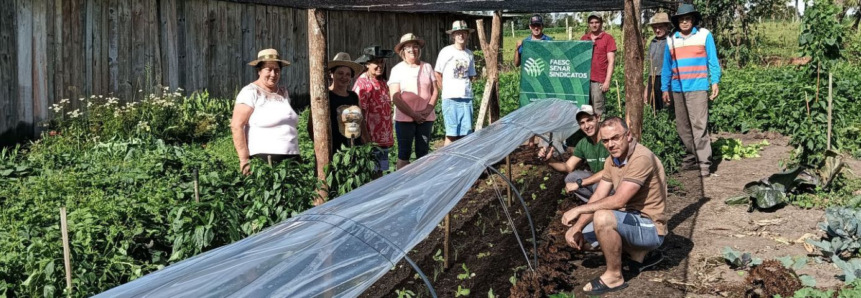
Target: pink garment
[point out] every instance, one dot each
(416, 86)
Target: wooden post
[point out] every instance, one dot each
(491, 58)
(512, 29)
(567, 28)
(196, 186)
(633, 66)
(446, 244)
(319, 93)
(829, 111)
(67, 255)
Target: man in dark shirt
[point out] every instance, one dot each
(661, 26)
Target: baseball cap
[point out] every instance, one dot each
(585, 109)
(536, 19)
(595, 14)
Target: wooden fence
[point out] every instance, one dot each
(56, 49)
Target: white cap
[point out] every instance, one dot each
(587, 109)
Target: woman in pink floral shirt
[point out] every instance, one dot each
(375, 103)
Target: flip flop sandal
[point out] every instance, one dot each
(599, 287)
(650, 261)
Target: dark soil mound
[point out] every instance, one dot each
(770, 279)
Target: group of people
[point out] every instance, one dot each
(264, 123)
(623, 183)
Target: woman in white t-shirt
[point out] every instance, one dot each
(414, 93)
(264, 123)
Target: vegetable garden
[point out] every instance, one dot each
(150, 183)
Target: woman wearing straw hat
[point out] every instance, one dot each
(661, 25)
(375, 103)
(414, 93)
(264, 123)
(455, 68)
(342, 70)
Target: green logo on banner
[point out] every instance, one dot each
(555, 69)
(534, 66)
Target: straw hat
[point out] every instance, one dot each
(269, 55)
(409, 37)
(343, 59)
(459, 25)
(660, 18)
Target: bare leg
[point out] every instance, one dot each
(402, 163)
(449, 140)
(611, 244)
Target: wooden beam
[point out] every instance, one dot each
(491, 58)
(318, 91)
(633, 67)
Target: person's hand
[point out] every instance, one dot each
(418, 118)
(714, 92)
(545, 153)
(666, 97)
(574, 237)
(571, 187)
(570, 216)
(244, 166)
(605, 87)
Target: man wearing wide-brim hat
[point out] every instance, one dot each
(690, 67)
(455, 68)
(661, 26)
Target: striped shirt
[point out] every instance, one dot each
(690, 62)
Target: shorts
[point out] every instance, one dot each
(381, 156)
(635, 230)
(457, 114)
(409, 132)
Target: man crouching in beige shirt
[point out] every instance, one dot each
(631, 220)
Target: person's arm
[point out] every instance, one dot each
(595, 178)
(611, 59)
(666, 72)
(565, 167)
(395, 90)
(438, 83)
(517, 53)
(364, 98)
(714, 65)
(238, 123)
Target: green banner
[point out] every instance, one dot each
(555, 69)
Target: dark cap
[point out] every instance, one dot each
(536, 19)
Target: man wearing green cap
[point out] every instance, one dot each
(690, 67)
(603, 58)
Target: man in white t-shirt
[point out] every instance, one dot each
(455, 68)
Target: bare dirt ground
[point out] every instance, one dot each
(700, 224)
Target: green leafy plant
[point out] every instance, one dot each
(466, 274)
(734, 149)
(821, 36)
(739, 260)
(843, 235)
(404, 293)
(795, 264)
(461, 292)
(351, 167)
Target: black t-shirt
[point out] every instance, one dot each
(336, 101)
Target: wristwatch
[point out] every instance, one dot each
(579, 183)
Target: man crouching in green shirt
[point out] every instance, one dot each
(588, 149)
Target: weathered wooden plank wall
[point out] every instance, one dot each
(68, 49)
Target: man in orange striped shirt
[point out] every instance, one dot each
(690, 67)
